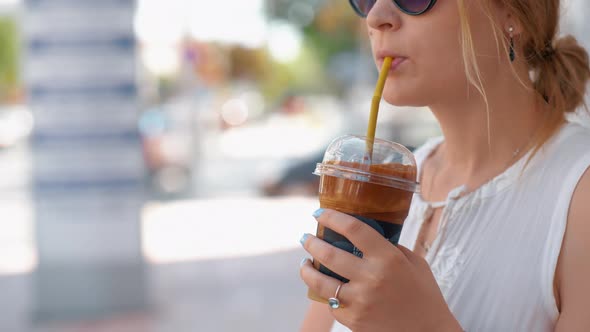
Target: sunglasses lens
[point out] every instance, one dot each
(362, 7)
(413, 6)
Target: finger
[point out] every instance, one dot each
(411, 256)
(322, 285)
(407, 252)
(339, 261)
(364, 237)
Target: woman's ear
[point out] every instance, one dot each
(513, 27)
(505, 18)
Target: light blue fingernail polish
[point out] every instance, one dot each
(303, 262)
(304, 238)
(318, 213)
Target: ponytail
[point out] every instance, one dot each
(562, 74)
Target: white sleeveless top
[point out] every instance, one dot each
(495, 254)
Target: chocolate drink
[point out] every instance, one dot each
(368, 195)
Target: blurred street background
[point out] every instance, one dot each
(156, 157)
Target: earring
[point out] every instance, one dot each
(511, 52)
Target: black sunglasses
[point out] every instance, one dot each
(410, 7)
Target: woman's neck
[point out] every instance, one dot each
(470, 151)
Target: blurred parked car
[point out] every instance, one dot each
(296, 180)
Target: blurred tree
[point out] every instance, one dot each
(248, 63)
(210, 61)
(9, 64)
(329, 27)
(334, 30)
(303, 74)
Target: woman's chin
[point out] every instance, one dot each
(402, 100)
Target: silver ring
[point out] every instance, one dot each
(333, 301)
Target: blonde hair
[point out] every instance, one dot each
(559, 66)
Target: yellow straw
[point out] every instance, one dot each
(375, 104)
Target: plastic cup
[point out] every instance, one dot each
(375, 187)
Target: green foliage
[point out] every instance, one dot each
(9, 55)
(303, 74)
(335, 29)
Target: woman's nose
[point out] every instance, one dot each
(384, 16)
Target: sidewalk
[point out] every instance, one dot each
(216, 265)
(262, 293)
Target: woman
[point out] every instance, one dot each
(485, 246)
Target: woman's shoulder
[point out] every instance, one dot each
(570, 143)
(575, 131)
(563, 160)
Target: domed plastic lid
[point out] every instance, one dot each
(390, 164)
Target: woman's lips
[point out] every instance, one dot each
(397, 61)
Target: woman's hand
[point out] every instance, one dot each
(390, 288)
